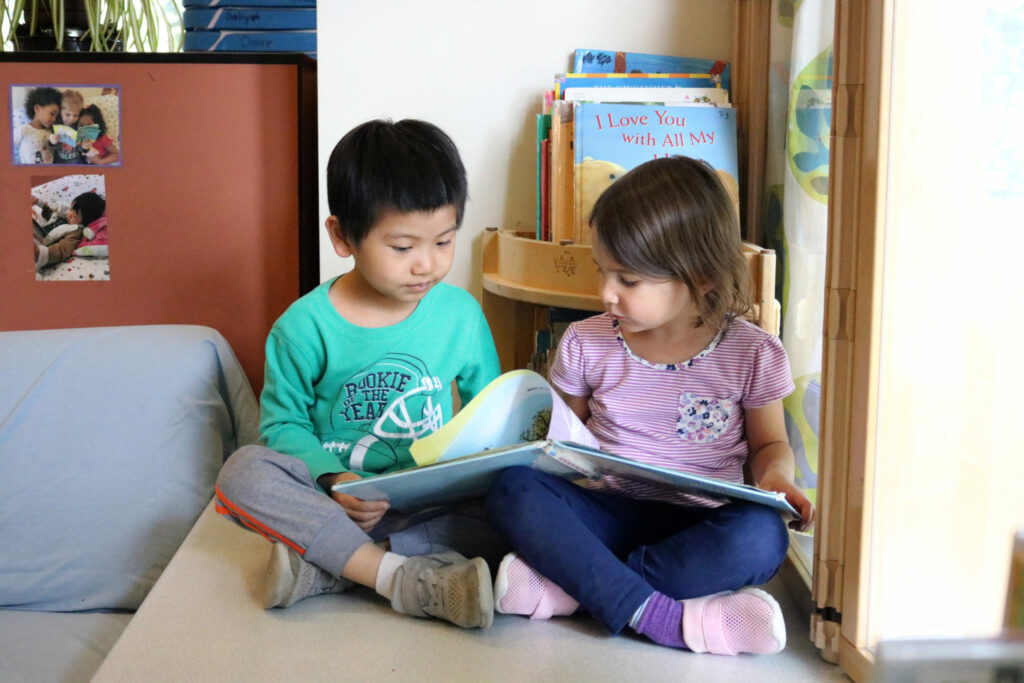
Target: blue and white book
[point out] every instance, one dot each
(249, 3)
(519, 420)
(250, 19)
(250, 41)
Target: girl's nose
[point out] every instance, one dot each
(609, 296)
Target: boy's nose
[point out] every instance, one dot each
(423, 264)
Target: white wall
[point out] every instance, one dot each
(477, 69)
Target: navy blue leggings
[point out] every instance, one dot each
(611, 553)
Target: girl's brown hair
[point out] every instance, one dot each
(672, 219)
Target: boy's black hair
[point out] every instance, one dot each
(97, 117)
(90, 206)
(381, 165)
(42, 97)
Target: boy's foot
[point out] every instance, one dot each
(748, 620)
(520, 589)
(446, 586)
(290, 578)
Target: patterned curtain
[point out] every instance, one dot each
(796, 185)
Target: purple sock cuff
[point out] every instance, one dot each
(662, 621)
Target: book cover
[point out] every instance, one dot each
(518, 419)
(250, 41)
(564, 82)
(608, 61)
(72, 136)
(612, 138)
(249, 18)
(692, 96)
(561, 181)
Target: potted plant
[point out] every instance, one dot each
(95, 25)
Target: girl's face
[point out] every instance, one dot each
(642, 304)
(85, 120)
(73, 216)
(45, 115)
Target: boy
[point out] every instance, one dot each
(355, 371)
(71, 103)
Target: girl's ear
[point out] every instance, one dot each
(342, 246)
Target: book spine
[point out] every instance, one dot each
(543, 131)
(562, 172)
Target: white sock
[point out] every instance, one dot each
(389, 564)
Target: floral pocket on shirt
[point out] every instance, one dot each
(702, 420)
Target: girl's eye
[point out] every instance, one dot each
(444, 244)
(628, 283)
(401, 250)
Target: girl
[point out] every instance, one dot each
(102, 150)
(672, 375)
(32, 141)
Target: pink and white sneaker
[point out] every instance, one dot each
(519, 589)
(748, 620)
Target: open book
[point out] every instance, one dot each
(71, 136)
(518, 419)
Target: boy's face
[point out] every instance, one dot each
(404, 254)
(69, 113)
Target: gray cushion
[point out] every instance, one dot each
(110, 441)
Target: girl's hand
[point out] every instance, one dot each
(775, 481)
(365, 513)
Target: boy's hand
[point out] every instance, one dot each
(774, 481)
(365, 513)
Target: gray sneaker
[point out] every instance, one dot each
(447, 586)
(290, 578)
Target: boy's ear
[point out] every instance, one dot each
(342, 246)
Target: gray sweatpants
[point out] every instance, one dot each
(274, 495)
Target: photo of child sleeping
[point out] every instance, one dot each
(69, 229)
(65, 124)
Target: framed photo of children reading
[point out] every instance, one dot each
(65, 124)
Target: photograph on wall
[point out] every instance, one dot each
(69, 228)
(65, 124)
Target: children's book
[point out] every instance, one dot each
(560, 204)
(543, 136)
(608, 61)
(518, 419)
(250, 18)
(692, 96)
(612, 138)
(564, 82)
(66, 135)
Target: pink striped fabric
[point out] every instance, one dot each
(686, 417)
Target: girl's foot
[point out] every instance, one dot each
(748, 620)
(519, 589)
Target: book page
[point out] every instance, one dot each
(517, 407)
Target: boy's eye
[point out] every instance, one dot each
(444, 243)
(401, 250)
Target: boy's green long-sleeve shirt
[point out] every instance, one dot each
(347, 398)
